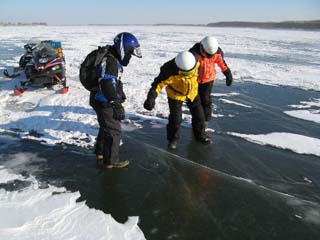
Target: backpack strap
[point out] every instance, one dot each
(102, 52)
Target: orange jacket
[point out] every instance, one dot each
(207, 70)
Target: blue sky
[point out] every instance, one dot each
(59, 12)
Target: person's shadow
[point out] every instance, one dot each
(112, 199)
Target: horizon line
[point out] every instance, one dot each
(150, 24)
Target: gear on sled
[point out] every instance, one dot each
(43, 64)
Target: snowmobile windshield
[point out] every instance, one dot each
(31, 44)
(44, 52)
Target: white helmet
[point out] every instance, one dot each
(185, 61)
(210, 45)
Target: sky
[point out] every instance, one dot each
(69, 12)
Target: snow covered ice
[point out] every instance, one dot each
(277, 57)
(272, 58)
(286, 141)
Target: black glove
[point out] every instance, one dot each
(229, 77)
(118, 110)
(151, 100)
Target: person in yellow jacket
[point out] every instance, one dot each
(180, 75)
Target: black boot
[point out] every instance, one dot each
(204, 140)
(99, 159)
(172, 144)
(122, 164)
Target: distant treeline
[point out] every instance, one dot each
(23, 24)
(312, 25)
(287, 24)
(173, 24)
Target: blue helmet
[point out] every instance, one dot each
(126, 44)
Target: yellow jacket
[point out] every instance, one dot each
(181, 85)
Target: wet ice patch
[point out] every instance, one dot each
(313, 216)
(6, 141)
(19, 162)
(53, 213)
(308, 211)
(294, 142)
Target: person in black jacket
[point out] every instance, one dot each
(107, 102)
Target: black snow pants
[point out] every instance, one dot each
(205, 96)
(175, 118)
(109, 135)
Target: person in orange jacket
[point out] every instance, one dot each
(209, 54)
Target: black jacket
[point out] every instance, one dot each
(110, 84)
(166, 70)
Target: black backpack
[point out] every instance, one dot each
(89, 68)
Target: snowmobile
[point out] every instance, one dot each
(43, 64)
